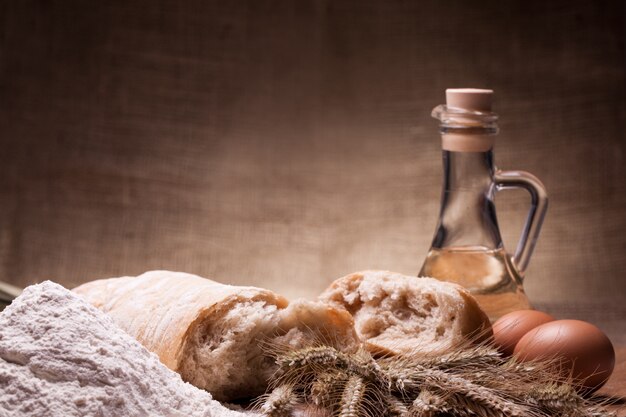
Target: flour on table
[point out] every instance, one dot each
(59, 356)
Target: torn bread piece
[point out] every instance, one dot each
(214, 334)
(395, 313)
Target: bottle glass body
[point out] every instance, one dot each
(467, 247)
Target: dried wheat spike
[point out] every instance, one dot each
(396, 407)
(562, 399)
(427, 404)
(555, 397)
(470, 357)
(318, 355)
(598, 412)
(325, 389)
(294, 367)
(352, 397)
(280, 402)
(477, 395)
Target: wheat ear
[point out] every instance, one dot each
(325, 389)
(396, 407)
(280, 402)
(427, 404)
(352, 397)
(295, 367)
(474, 394)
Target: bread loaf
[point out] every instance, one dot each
(211, 333)
(395, 313)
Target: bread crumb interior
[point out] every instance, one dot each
(225, 353)
(401, 312)
(227, 350)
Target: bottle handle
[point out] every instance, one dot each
(538, 207)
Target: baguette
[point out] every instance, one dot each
(211, 333)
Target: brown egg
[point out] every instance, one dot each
(586, 353)
(511, 327)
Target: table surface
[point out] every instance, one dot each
(615, 388)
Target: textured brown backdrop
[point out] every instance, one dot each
(286, 143)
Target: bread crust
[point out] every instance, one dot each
(160, 308)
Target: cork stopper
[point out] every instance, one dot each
(469, 99)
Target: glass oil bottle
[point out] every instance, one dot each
(467, 247)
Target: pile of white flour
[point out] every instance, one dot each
(59, 356)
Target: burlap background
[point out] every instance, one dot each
(286, 143)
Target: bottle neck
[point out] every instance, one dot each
(468, 218)
(470, 172)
